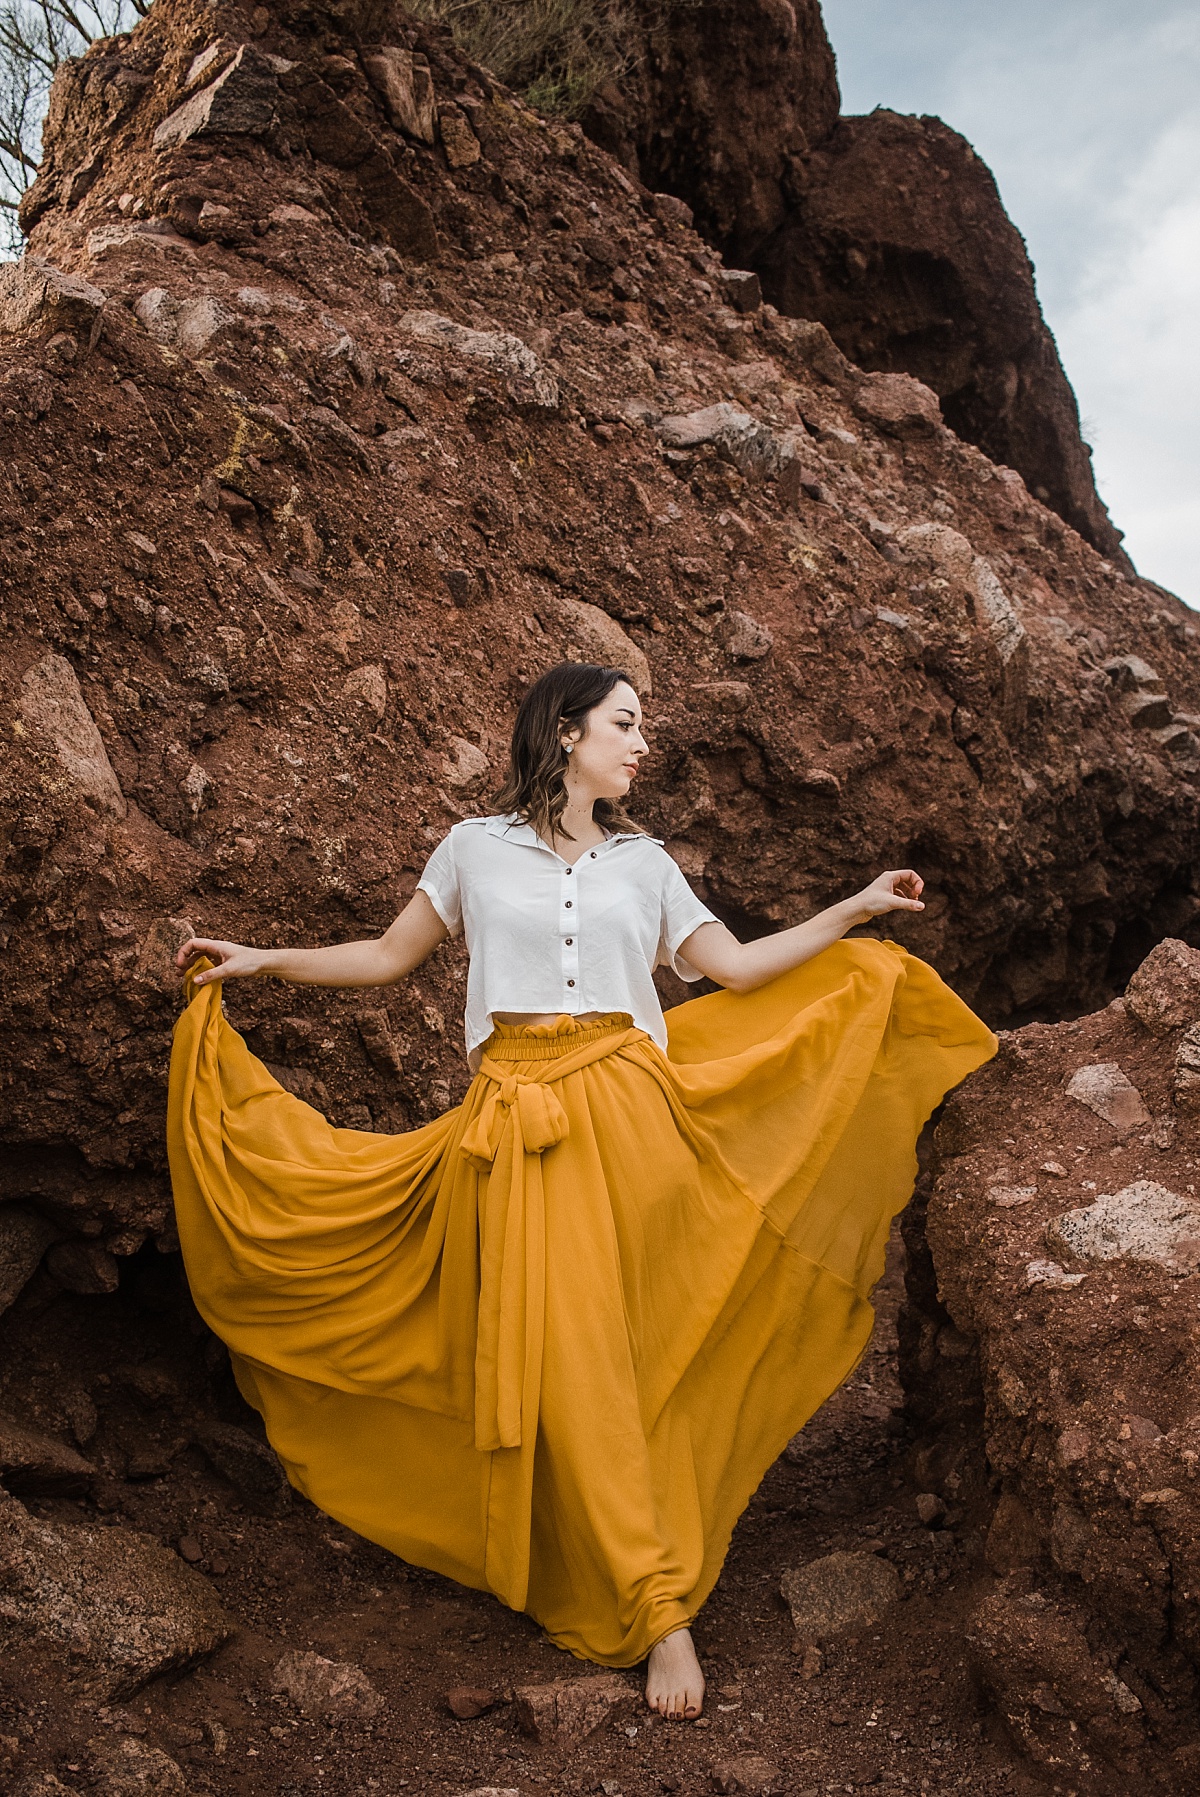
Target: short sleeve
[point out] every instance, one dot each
(682, 913)
(440, 881)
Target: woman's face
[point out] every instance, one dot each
(605, 756)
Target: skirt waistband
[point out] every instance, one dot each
(550, 1041)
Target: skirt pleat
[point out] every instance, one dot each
(549, 1343)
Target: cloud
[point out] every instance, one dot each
(1088, 112)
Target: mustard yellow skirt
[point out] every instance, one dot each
(549, 1343)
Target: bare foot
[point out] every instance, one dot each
(674, 1681)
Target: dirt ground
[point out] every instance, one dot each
(894, 1711)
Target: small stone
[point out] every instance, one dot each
(505, 355)
(1186, 1087)
(458, 584)
(898, 404)
(748, 1772)
(406, 88)
(1106, 1091)
(52, 704)
(367, 686)
(459, 142)
(1164, 993)
(1011, 1197)
(1147, 711)
(466, 764)
(931, 1509)
(1050, 1274)
(1055, 1169)
(671, 211)
(742, 289)
(383, 1051)
(123, 1766)
(327, 1688)
(746, 638)
(570, 1710)
(468, 1701)
(189, 1549)
(838, 1592)
(250, 1466)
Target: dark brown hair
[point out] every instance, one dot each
(535, 786)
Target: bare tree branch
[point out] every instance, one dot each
(36, 37)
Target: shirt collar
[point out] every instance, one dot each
(514, 829)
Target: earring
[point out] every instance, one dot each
(567, 747)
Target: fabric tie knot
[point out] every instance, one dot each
(536, 1113)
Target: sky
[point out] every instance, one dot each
(1088, 113)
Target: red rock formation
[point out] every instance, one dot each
(321, 439)
(888, 230)
(1052, 1356)
(899, 242)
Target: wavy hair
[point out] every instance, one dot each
(535, 785)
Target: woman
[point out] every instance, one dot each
(549, 1343)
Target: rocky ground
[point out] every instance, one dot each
(888, 1705)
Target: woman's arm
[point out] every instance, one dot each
(741, 966)
(407, 942)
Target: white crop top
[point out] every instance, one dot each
(545, 936)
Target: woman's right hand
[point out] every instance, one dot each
(232, 960)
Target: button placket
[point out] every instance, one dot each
(569, 931)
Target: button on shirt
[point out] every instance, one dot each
(544, 935)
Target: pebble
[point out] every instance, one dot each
(189, 1549)
(468, 1701)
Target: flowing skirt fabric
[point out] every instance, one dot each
(549, 1343)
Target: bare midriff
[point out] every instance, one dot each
(546, 1016)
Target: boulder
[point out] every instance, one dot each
(243, 100)
(36, 296)
(460, 146)
(1164, 993)
(753, 447)
(570, 1710)
(326, 1688)
(597, 637)
(1142, 1222)
(838, 1592)
(1078, 1402)
(35, 1464)
(1060, 1701)
(115, 1605)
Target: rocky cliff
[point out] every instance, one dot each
(340, 394)
(889, 230)
(1051, 1350)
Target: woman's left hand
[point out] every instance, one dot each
(898, 890)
